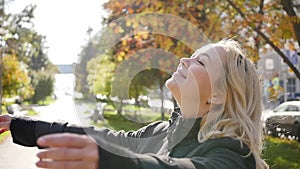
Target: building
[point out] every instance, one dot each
(272, 66)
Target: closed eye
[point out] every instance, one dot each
(200, 62)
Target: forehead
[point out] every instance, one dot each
(216, 55)
(213, 51)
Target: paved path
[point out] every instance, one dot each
(13, 156)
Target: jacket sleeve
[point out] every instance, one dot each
(25, 131)
(114, 157)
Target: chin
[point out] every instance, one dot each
(172, 85)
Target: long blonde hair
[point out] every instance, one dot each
(240, 115)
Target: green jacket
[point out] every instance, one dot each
(159, 145)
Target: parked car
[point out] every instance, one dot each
(284, 119)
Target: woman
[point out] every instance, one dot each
(217, 125)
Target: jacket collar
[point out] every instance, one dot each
(182, 130)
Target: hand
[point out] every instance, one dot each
(68, 151)
(5, 121)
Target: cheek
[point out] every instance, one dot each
(204, 85)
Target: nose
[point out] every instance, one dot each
(185, 61)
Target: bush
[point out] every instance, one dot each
(43, 86)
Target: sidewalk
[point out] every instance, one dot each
(12, 156)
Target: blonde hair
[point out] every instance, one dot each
(239, 117)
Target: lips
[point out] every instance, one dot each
(181, 74)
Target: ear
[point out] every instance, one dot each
(218, 99)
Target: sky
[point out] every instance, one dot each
(64, 23)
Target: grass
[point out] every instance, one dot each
(3, 110)
(282, 154)
(127, 121)
(4, 135)
(31, 113)
(47, 101)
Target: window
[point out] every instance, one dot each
(293, 108)
(291, 85)
(281, 108)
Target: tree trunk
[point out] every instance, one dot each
(120, 107)
(162, 111)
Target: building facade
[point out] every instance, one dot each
(273, 67)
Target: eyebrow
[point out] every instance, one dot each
(204, 54)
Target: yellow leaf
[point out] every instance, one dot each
(119, 58)
(135, 25)
(121, 30)
(145, 35)
(122, 54)
(128, 23)
(124, 42)
(200, 7)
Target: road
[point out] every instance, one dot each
(63, 109)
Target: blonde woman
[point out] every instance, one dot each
(217, 124)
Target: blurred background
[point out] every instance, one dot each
(59, 60)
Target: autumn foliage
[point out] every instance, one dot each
(215, 19)
(148, 32)
(15, 78)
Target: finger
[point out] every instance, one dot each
(6, 117)
(61, 164)
(63, 140)
(5, 125)
(61, 154)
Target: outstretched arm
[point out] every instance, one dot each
(25, 131)
(75, 151)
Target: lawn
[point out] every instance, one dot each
(282, 154)
(128, 121)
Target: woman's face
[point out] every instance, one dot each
(191, 83)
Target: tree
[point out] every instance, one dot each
(43, 84)
(26, 46)
(29, 46)
(100, 72)
(291, 9)
(88, 52)
(15, 78)
(263, 22)
(155, 32)
(249, 20)
(131, 28)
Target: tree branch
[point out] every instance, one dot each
(288, 7)
(214, 26)
(257, 42)
(268, 41)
